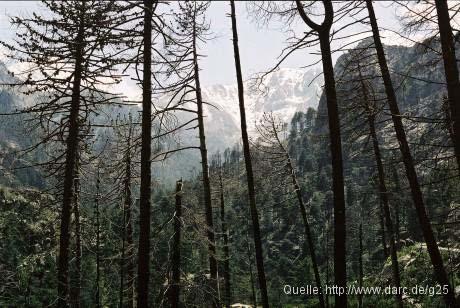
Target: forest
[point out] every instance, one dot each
(131, 177)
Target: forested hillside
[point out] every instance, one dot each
(335, 184)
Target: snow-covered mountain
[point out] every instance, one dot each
(284, 92)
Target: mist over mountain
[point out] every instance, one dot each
(285, 92)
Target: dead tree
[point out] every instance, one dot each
(451, 72)
(175, 257)
(64, 50)
(432, 18)
(76, 286)
(323, 32)
(271, 145)
(248, 164)
(220, 175)
(226, 244)
(143, 267)
(370, 111)
(97, 226)
(203, 150)
(417, 197)
(124, 172)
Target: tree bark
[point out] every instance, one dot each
(323, 30)
(397, 212)
(76, 212)
(98, 241)
(127, 237)
(72, 144)
(122, 261)
(340, 269)
(248, 165)
(226, 248)
(143, 269)
(360, 261)
(175, 258)
(205, 174)
(417, 196)
(251, 275)
(451, 72)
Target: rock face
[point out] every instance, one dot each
(417, 74)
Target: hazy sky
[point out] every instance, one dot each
(259, 46)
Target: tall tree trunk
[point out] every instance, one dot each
(130, 256)
(383, 194)
(72, 144)
(76, 212)
(327, 260)
(308, 234)
(360, 261)
(205, 174)
(127, 237)
(251, 274)
(417, 197)
(226, 274)
(397, 211)
(175, 258)
(451, 72)
(323, 30)
(143, 268)
(303, 212)
(340, 268)
(122, 260)
(248, 164)
(98, 240)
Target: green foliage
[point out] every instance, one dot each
(27, 249)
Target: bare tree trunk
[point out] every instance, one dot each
(226, 248)
(451, 72)
(130, 255)
(327, 260)
(303, 212)
(340, 268)
(360, 261)
(251, 275)
(76, 212)
(248, 164)
(383, 193)
(323, 30)
(122, 261)
(417, 197)
(397, 212)
(205, 174)
(143, 269)
(72, 143)
(175, 258)
(98, 240)
(308, 234)
(127, 244)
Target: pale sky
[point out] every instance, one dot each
(259, 47)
